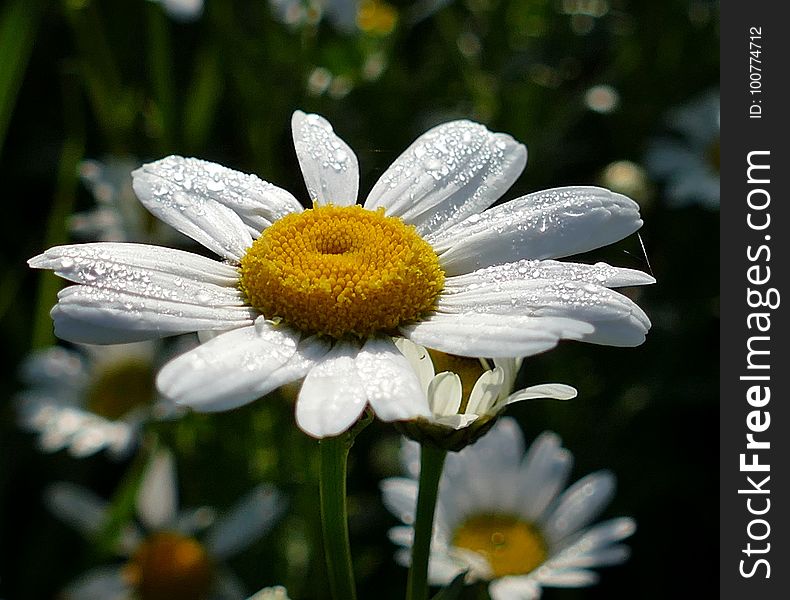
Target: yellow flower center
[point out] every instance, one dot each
(376, 17)
(468, 369)
(511, 546)
(121, 387)
(341, 270)
(170, 566)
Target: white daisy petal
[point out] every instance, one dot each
(249, 520)
(523, 270)
(172, 190)
(78, 507)
(157, 498)
(617, 320)
(444, 394)
(514, 588)
(86, 264)
(96, 434)
(562, 578)
(456, 421)
(543, 473)
(81, 260)
(258, 203)
(400, 498)
(502, 447)
(553, 391)
(579, 505)
(391, 385)
(194, 520)
(601, 557)
(107, 583)
(607, 532)
(90, 315)
(450, 172)
(485, 392)
(401, 536)
(419, 360)
(329, 165)
(332, 395)
(443, 569)
(510, 368)
(74, 329)
(238, 366)
(481, 334)
(54, 367)
(548, 224)
(593, 547)
(277, 592)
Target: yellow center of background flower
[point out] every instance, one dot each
(170, 566)
(376, 17)
(120, 387)
(341, 270)
(468, 370)
(511, 546)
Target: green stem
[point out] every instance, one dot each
(334, 511)
(431, 464)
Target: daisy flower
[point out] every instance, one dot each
(466, 394)
(320, 293)
(174, 555)
(91, 398)
(689, 163)
(502, 519)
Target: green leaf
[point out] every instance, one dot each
(204, 95)
(18, 24)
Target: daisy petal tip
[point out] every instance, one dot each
(627, 527)
(314, 427)
(297, 117)
(552, 391)
(40, 261)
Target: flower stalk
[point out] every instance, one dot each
(334, 509)
(431, 464)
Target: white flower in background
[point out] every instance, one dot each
(277, 592)
(689, 163)
(466, 394)
(500, 516)
(169, 554)
(374, 17)
(182, 10)
(298, 13)
(93, 397)
(319, 293)
(118, 215)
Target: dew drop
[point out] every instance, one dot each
(215, 186)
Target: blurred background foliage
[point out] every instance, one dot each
(586, 84)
